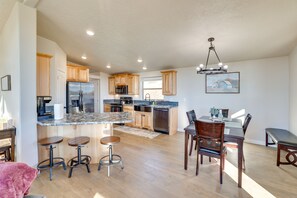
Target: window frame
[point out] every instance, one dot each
(153, 78)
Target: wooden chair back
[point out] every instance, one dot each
(210, 135)
(246, 122)
(191, 116)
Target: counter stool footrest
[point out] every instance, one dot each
(75, 161)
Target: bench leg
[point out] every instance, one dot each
(278, 155)
(266, 139)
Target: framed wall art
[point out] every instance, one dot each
(6, 83)
(228, 83)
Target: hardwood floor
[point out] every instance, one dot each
(154, 168)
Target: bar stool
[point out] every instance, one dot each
(59, 160)
(110, 141)
(79, 159)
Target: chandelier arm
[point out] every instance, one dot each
(207, 58)
(216, 54)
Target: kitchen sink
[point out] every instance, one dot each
(143, 108)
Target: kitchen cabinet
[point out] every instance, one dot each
(121, 79)
(106, 107)
(130, 109)
(169, 82)
(132, 80)
(111, 85)
(43, 74)
(133, 84)
(77, 73)
(143, 120)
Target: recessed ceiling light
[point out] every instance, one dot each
(108, 66)
(90, 33)
(139, 60)
(84, 57)
(144, 68)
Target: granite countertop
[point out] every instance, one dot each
(89, 118)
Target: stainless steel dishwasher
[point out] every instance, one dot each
(161, 120)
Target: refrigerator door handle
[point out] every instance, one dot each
(81, 107)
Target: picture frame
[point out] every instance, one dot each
(6, 83)
(222, 83)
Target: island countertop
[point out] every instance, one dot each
(89, 118)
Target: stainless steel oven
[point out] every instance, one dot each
(115, 107)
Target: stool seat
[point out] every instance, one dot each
(77, 141)
(50, 140)
(110, 140)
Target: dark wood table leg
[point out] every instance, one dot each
(240, 152)
(186, 150)
(13, 145)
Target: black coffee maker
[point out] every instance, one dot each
(41, 101)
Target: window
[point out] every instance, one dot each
(153, 87)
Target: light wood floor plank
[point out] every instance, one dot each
(154, 168)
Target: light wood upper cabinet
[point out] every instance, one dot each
(121, 79)
(133, 84)
(43, 74)
(132, 80)
(111, 85)
(77, 73)
(169, 82)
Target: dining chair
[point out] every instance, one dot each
(191, 118)
(244, 128)
(210, 137)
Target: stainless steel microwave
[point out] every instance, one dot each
(121, 89)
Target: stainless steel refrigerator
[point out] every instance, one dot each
(79, 97)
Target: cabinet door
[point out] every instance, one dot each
(146, 121)
(138, 120)
(43, 75)
(72, 73)
(130, 110)
(169, 83)
(111, 85)
(83, 75)
(106, 107)
(133, 84)
(121, 79)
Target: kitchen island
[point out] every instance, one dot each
(93, 125)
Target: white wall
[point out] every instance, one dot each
(18, 59)
(58, 69)
(103, 90)
(264, 93)
(293, 91)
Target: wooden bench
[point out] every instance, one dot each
(285, 141)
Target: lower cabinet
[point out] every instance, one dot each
(143, 120)
(130, 109)
(106, 107)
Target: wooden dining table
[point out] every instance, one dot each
(233, 133)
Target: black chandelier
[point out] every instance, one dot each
(201, 69)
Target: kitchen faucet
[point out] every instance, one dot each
(147, 96)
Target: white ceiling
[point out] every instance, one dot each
(5, 9)
(167, 33)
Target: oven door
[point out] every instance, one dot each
(116, 108)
